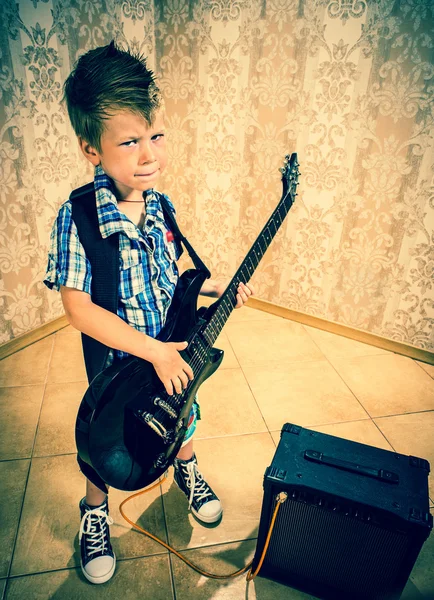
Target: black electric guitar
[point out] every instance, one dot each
(128, 428)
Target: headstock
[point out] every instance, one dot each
(290, 173)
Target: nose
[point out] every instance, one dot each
(147, 154)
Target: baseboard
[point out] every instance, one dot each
(26, 339)
(305, 319)
(352, 333)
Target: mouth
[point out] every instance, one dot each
(145, 175)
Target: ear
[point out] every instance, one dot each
(89, 152)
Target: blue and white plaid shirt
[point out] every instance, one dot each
(147, 259)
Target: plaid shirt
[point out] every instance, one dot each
(147, 260)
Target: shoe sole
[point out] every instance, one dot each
(102, 579)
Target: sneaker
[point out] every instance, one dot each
(98, 560)
(202, 501)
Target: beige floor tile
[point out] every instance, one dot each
(19, 409)
(261, 342)
(411, 434)
(67, 363)
(56, 431)
(13, 476)
(51, 520)
(387, 384)
(28, 366)
(422, 575)
(228, 406)
(363, 432)
(411, 592)
(223, 559)
(229, 358)
(234, 467)
(426, 367)
(307, 393)
(332, 344)
(141, 578)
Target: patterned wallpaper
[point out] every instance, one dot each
(348, 84)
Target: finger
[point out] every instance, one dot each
(184, 380)
(181, 345)
(188, 370)
(177, 385)
(239, 302)
(243, 295)
(168, 387)
(246, 288)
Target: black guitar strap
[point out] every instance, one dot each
(103, 255)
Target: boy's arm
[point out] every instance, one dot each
(214, 289)
(112, 331)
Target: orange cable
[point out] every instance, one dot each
(279, 499)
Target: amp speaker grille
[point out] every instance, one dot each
(332, 549)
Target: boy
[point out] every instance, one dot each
(117, 113)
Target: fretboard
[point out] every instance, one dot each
(228, 300)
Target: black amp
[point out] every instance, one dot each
(354, 519)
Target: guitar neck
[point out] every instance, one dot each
(226, 303)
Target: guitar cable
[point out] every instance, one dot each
(280, 498)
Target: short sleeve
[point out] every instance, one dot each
(67, 261)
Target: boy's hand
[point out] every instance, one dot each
(245, 290)
(171, 368)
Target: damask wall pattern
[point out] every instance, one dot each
(348, 84)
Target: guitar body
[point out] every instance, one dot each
(128, 428)
(111, 434)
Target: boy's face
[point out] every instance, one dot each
(132, 153)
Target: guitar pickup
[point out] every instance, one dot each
(166, 407)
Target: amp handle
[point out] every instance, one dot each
(381, 474)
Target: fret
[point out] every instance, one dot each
(263, 245)
(267, 235)
(273, 228)
(259, 248)
(254, 260)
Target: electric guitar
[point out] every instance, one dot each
(128, 428)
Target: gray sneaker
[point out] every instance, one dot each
(98, 560)
(203, 502)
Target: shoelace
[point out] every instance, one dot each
(93, 527)
(198, 486)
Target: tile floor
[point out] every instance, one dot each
(274, 371)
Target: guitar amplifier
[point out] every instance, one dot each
(354, 519)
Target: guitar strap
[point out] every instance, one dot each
(103, 255)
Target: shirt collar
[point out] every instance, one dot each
(110, 218)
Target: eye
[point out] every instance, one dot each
(129, 143)
(157, 137)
